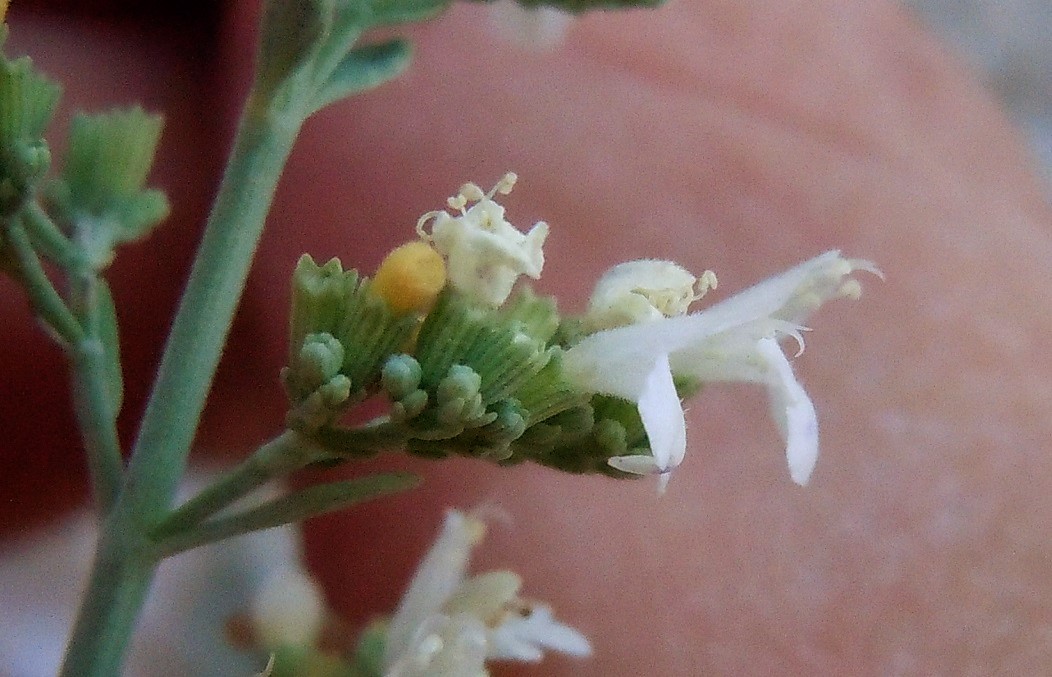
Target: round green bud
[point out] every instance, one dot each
(461, 383)
(320, 358)
(400, 377)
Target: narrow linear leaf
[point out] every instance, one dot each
(578, 6)
(387, 12)
(364, 68)
(310, 502)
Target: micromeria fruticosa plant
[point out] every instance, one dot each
(471, 362)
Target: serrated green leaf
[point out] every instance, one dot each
(364, 68)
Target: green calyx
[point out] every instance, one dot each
(488, 384)
(102, 195)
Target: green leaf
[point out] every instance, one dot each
(578, 6)
(292, 33)
(386, 12)
(364, 68)
(310, 502)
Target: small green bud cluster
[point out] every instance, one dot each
(341, 334)
(486, 377)
(27, 103)
(314, 382)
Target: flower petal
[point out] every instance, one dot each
(438, 576)
(637, 464)
(793, 411)
(444, 646)
(522, 637)
(662, 415)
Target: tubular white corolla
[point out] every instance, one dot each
(735, 340)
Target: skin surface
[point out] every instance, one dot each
(723, 135)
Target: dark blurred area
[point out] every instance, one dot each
(199, 14)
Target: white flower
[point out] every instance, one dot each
(289, 609)
(735, 340)
(448, 625)
(485, 254)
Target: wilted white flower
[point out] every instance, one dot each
(448, 625)
(735, 340)
(485, 254)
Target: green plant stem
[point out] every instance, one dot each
(94, 407)
(47, 238)
(282, 455)
(98, 423)
(77, 327)
(112, 600)
(120, 581)
(42, 295)
(207, 308)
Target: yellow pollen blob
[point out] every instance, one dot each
(3, 9)
(410, 277)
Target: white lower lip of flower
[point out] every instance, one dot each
(662, 416)
(536, 28)
(735, 340)
(437, 577)
(523, 637)
(793, 411)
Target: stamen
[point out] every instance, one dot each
(706, 282)
(471, 192)
(504, 186)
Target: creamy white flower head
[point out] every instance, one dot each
(641, 291)
(735, 340)
(484, 253)
(448, 625)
